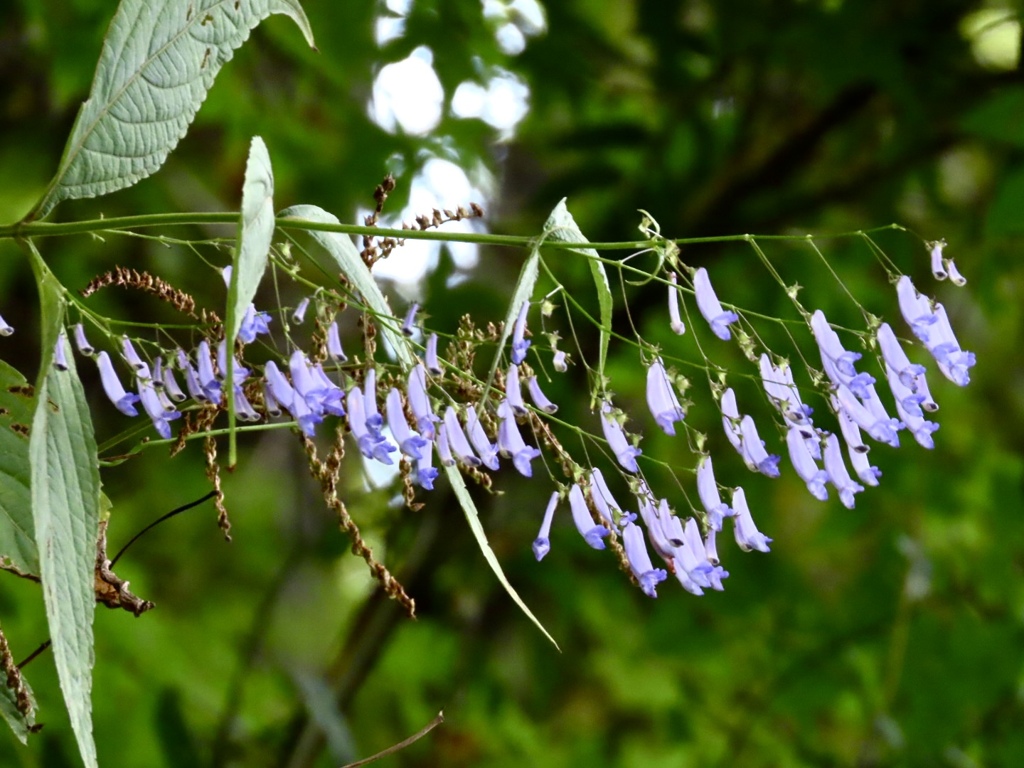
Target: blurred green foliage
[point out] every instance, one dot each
(887, 635)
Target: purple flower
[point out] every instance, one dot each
(121, 399)
(804, 464)
(624, 452)
(270, 403)
(333, 396)
(207, 379)
(60, 355)
(953, 361)
(84, 347)
(155, 410)
(374, 421)
(837, 361)
(444, 450)
(754, 453)
(133, 358)
(420, 402)
(862, 467)
(307, 386)
(779, 386)
(919, 427)
(592, 533)
(410, 318)
(300, 311)
(709, 306)
(938, 270)
(692, 568)
(731, 419)
(746, 533)
(487, 450)
(539, 398)
(910, 375)
(838, 474)
(910, 401)
(915, 308)
(334, 343)
(514, 391)
(253, 324)
(542, 544)
(425, 473)
(433, 364)
(954, 274)
(640, 561)
(559, 362)
(457, 439)
(519, 344)
(870, 415)
(511, 443)
(409, 442)
(5, 329)
(371, 444)
(673, 306)
(278, 385)
(171, 385)
(602, 496)
(239, 373)
(661, 398)
(707, 489)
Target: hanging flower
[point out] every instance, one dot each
(542, 544)
(661, 398)
(709, 306)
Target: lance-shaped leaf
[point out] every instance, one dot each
(562, 226)
(65, 491)
(255, 230)
(347, 258)
(17, 404)
(159, 59)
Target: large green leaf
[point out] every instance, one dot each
(159, 59)
(255, 230)
(562, 226)
(344, 253)
(17, 404)
(65, 490)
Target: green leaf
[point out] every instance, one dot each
(65, 490)
(22, 724)
(344, 253)
(255, 230)
(561, 226)
(17, 404)
(524, 290)
(159, 59)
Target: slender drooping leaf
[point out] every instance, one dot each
(561, 226)
(17, 540)
(65, 490)
(344, 253)
(524, 290)
(255, 230)
(159, 59)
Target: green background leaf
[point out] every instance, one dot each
(159, 59)
(17, 544)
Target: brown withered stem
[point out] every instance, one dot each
(153, 285)
(110, 590)
(326, 472)
(15, 682)
(213, 475)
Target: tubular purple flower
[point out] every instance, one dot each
(307, 386)
(420, 402)
(171, 385)
(542, 544)
(299, 315)
(5, 329)
(837, 361)
(334, 343)
(707, 489)
(708, 567)
(457, 439)
(306, 416)
(592, 533)
(731, 419)
(754, 453)
(894, 357)
(746, 533)
(207, 379)
(692, 568)
(374, 421)
(805, 465)
(624, 452)
(121, 399)
(371, 444)
(195, 389)
(559, 362)
(862, 467)
(511, 443)
(487, 450)
(661, 398)
(915, 308)
(132, 356)
(60, 355)
(155, 410)
(640, 561)
(884, 430)
(779, 386)
(244, 408)
(239, 373)
(709, 306)
(332, 400)
(514, 390)
(520, 344)
(938, 271)
(425, 473)
(953, 361)
(838, 474)
(409, 443)
(253, 324)
(711, 546)
(539, 398)
(444, 450)
(602, 497)
(158, 372)
(656, 532)
(673, 306)
(410, 318)
(909, 400)
(433, 364)
(279, 386)
(849, 428)
(270, 403)
(919, 427)
(82, 343)
(954, 274)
